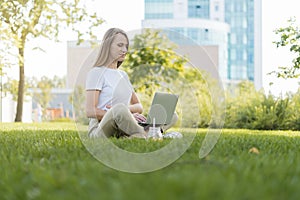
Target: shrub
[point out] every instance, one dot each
(248, 108)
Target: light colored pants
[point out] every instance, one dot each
(119, 121)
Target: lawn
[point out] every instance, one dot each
(49, 161)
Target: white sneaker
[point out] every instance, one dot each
(173, 134)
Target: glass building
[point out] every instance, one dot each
(233, 25)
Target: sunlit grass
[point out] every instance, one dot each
(49, 161)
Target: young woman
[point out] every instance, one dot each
(111, 103)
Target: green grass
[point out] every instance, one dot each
(49, 161)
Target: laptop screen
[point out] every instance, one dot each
(162, 108)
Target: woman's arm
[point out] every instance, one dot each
(92, 98)
(136, 106)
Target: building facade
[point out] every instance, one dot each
(82, 57)
(233, 25)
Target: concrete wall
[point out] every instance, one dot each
(81, 58)
(8, 109)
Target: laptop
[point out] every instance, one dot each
(161, 110)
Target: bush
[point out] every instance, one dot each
(252, 109)
(293, 121)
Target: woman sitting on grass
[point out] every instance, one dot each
(111, 102)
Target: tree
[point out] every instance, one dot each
(153, 64)
(3, 56)
(59, 82)
(152, 61)
(195, 98)
(40, 89)
(11, 87)
(42, 93)
(22, 20)
(77, 99)
(289, 37)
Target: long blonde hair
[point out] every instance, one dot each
(103, 56)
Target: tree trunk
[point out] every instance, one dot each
(21, 85)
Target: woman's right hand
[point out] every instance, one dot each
(107, 107)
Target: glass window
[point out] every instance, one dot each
(233, 54)
(232, 22)
(159, 7)
(233, 38)
(239, 14)
(206, 34)
(244, 7)
(216, 7)
(193, 33)
(245, 23)
(198, 9)
(245, 55)
(244, 39)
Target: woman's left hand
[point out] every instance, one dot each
(139, 117)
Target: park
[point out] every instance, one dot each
(254, 135)
(49, 161)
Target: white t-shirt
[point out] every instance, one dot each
(114, 85)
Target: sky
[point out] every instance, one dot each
(128, 15)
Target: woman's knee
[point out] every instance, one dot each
(120, 110)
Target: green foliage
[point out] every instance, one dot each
(58, 82)
(289, 37)
(21, 21)
(153, 65)
(195, 98)
(77, 99)
(11, 87)
(54, 82)
(7, 60)
(240, 106)
(49, 161)
(152, 61)
(40, 88)
(45, 18)
(248, 108)
(42, 93)
(293, 122)
(271, 114)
